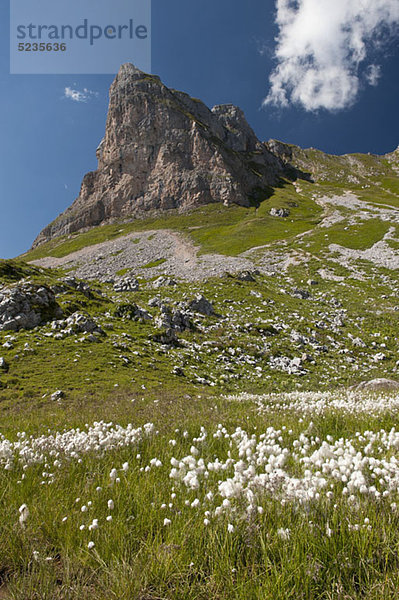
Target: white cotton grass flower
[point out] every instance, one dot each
(109, 518)
(90, 545)
(94, 525)
(113, 475)
(166, 522)
(125, 466)
(111, 504)
(35, 555)
(284, 534)
(71, 444)
(230, 528)
(319, 403)
(23, 514)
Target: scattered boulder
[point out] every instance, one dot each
(167, 337)
(292, 366)
(127, 284)
(178, 371)
(26, 306)
(377, 385)
(358, 342)
(176, 320)
(280, 212)
(307, 358)
(57, 395)
(72, 283)
(163, 281)
(155, 301)
(3, 365)
(79, 286)
(246, 276)
(132, 311)
(77, 323)
(201, 305)
(302, 294)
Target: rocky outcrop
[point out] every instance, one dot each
(26, 306)
(164, 150)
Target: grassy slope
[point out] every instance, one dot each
(214, 227)
(233, 230)
(137, 557)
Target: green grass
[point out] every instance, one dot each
(154, 263)
(357, 237)
(216, 228)
(122, 272)
(136, 556)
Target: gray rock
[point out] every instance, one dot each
(246, 276)
(178, 371)
(280, 212)
(127, 284)
(163, 281)
(155, 301)
(3, 365)
(377, 385)
(26, 306)
(201, 305)
(303, 294)
(132, 311)
(176, 320)
(167, 337)
(292, 366)
(77, 323)
(79, 286)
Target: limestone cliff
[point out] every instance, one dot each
(164, 150)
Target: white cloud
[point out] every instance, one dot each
(373, 74)
(322, 49)
(79, 96)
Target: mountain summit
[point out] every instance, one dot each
(164, 150)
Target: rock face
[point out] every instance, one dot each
(164, 150)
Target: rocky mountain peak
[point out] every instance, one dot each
(164, 150)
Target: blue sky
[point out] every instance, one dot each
(221, 52)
